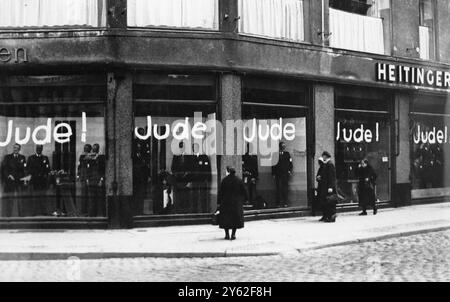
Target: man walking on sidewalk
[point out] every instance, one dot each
(326, 178)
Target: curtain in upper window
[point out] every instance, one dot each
(281, 19)
(40, 13)
(356, 32)
(174, 13)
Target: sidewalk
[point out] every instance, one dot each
(266, 237)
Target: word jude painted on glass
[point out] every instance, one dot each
(434, 136)
(15, 55)
(358, 135)
(42, 134)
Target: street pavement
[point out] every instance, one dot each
(421, 257)
(258, 238)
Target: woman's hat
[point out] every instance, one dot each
(326, 153)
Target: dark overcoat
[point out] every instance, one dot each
(366, 185)
(327, 179)
(231, 197)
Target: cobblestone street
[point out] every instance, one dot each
(422, 257)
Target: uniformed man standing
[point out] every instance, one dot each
(13, 170)
(250, 173)
(182, 172)
(96, 178)
(281, 172)
(38, 168)
(141, 174)
(83, 165)
(201, 179)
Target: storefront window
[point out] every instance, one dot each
(52, 147)
(173, 174)
(275, 169)
(174, 13)
(40, 13)
(426, 29)
(430, 146)
(362, 134)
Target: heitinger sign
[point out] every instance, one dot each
(419, 76)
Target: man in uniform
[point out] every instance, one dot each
(13, 170)
(201, 179)
(38, 167)
(281, 172)
(96, 178)
(83, 165)
(250, 173)
(182, 172)
(141, 174)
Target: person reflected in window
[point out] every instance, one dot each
(366, 187)
(231, 198)
(38, 169)
(13, 170)
(281, 172)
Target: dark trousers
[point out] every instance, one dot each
(41, 202)
(139, 196)
(251, 190)
(199, 197)
(12, 200)
(282, 188)
(96, 207)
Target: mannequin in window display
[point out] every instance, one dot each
(281, 173)
(13, 170)
(250, 173)
(96, 179)
(201, 179)
(141, 174)
(38, 168)
(83, 165)
(182, 171)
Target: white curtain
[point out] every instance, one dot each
(21, 13)
(424, 42)
(272, 18)
(356, 32)
(174, 13)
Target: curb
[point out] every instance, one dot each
(36, 256)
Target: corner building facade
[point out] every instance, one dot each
(86, 97)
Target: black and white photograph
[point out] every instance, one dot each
(206, 142)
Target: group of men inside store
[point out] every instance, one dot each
(32, 188)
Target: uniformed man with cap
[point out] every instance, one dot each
(38, 168)
(13, 170)
(201, 179)
(281, 172)
(250, 173)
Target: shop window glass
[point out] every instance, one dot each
(174, 175)
(52, 149)
(275, 179)
(282, 19)
(201, 14)
(430, 147)
(358, 136)
(40, 13)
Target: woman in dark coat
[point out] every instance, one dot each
(366, 186)
(231, 197)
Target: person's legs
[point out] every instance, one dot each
(284, 190)
(233, 234)
(227, 234)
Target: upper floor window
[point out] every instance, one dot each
(203, 14)
(41, 13)
(282, 19)
(426, 29)
(358, 25)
